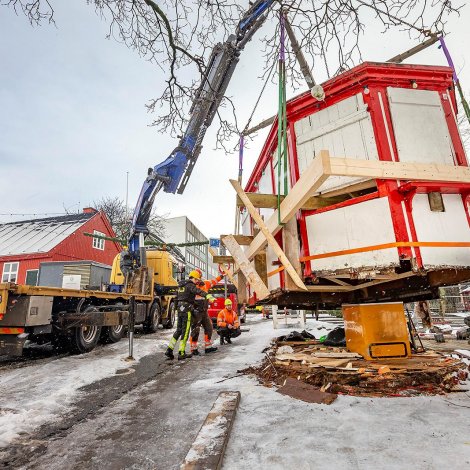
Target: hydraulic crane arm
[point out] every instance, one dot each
(172, 174)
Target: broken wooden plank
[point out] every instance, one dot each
(268, 236)
(208, 449)
(248, 270)
(306, 392)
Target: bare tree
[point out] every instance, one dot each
(464, 126)
(120, 217)
(178, 37)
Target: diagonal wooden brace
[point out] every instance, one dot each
(268, 236)
(310, 181)
(245, 266)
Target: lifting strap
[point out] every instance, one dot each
(465, 106)
(281, 118)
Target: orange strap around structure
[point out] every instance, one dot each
(383, 246)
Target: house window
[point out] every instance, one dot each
(32, 277)
(10, 272)
(98, 243)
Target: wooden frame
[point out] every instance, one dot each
(321, 168)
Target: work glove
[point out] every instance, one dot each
(210, 298)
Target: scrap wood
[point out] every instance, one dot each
(306, 392)
(463, 353)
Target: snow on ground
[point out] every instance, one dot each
(278, 432)
(33, 395)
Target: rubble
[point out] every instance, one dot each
(341, 372)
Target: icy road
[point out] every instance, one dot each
(97, 411)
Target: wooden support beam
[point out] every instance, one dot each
(290, 242)
(351, 189)
(375, 169)
(414, 50)
(261, 266)
(309, 182)
(219, 259)
(241, 239)
(241, 288)
(268, 236)
(269, 201)
(245, 266)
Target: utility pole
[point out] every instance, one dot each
(127, 194)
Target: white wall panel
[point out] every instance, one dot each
(448, 226)
(420, 128)
(364, 224)
(344, 129)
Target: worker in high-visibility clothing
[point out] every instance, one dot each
(228, 325)
(186, 294)
(201, 317)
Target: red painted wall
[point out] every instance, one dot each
(75, 247)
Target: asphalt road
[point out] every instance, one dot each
(144, 417)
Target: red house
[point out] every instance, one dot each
(27, 243)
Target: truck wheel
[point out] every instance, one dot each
(170, 321)
(112, 334)
(84, 338)
(154, 319)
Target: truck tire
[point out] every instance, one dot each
(154, 319)
(112, 334)
(84, 338)
(170, 321)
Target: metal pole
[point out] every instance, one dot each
(142, 252)
(127, 195)
(131, 325)
(225, 286)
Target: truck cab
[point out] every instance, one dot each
(218, 291)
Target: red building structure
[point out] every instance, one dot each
(27, 243)
(374, 112)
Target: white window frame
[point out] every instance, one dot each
(10, 271)
(98, 243)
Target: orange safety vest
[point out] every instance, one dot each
(225, 318)
(208, 284)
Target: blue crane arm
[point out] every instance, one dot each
(173, 173)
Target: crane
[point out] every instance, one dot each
(172, 174)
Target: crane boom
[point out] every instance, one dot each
(173, 174)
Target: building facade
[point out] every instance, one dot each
(182, 230)
(25, 244)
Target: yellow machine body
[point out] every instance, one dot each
(161, 262)
(377, 330)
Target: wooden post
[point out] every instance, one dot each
(290, 240)
(261, 266)
(275, 319)
(241, 288)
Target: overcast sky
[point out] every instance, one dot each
(73, 120)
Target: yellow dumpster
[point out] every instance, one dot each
(376, 330)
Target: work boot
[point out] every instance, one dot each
(195, 352)
(229, 341)
(169, 353)
(182, 356)
(222, 340)
(210, 349)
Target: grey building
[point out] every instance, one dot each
(182, 230)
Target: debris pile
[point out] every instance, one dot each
(337, 371)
